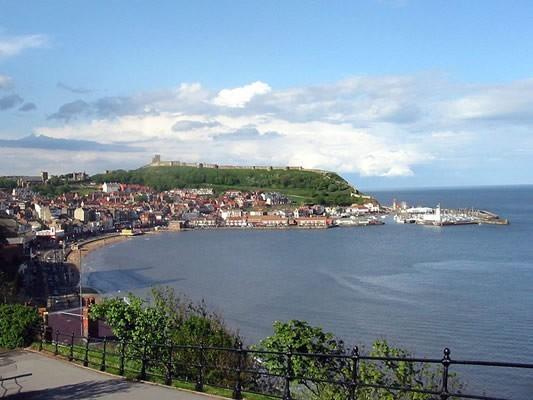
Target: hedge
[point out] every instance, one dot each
(18, 325)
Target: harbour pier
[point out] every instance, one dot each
(444, 217)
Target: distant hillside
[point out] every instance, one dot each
(300, 186)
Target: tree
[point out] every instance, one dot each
(300, 337)
(133, 321)
(7, 183)
(167, 320)
(18, 325)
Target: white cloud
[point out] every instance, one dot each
(374, 126)
(32, 161)
(5, 81)
(240, 96)
(13, 45)
(315, 144)
(511, 102)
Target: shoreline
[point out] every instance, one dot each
(73, 258)
(90, 245)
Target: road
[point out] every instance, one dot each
(54, 379)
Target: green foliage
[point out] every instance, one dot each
(168, 319)
(141, 198)
(133, 320)
(7, 183)
(311, 186)
(53, 188)
(18, 325)
(300, 337)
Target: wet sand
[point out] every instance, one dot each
(85, 248)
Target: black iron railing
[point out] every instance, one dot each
(241, 369)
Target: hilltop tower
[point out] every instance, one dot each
(156, 160)
(44, 176)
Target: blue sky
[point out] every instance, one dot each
(391, 93)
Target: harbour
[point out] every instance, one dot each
(445, 217)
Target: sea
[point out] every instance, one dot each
(422, 288)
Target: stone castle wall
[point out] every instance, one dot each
(157, 162)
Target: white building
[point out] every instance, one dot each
(81, 214)
(110, 187)
(43, 212)
(234, 212)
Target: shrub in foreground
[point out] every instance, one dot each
(302, 338)
(18, 325)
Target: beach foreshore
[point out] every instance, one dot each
(87, 246)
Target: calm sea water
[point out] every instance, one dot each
(422, 288)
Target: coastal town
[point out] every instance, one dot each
(33, 219)
(44, 233)
(130, 208)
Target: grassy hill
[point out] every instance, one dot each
(300, 186)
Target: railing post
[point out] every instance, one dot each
(237, 392)
(444, 394)
(71, 354)
(288, 376)
(43, 332)
(355, 365)
(144, 362)
(56, 350)
(168, 378)
(86, 356)
(199, 387)
(103, 366)
(122, 357)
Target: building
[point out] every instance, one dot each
(16, 235)
(43, 212)
(231, 213)
(236, 222)
(157, 162)
(204, 222)
(76, 176)
(268, 221)
(109, 187)
(312, 222)
(81, 214)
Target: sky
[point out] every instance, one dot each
(389, 93)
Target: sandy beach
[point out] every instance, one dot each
(86, 247)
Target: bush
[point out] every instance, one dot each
(303, 338)
(168, 319)
(18, 325)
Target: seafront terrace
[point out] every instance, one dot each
(238, 372)
(30, 375)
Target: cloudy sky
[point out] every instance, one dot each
(390, 93)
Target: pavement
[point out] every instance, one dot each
(55, 379)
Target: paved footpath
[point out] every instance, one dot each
(55, 379)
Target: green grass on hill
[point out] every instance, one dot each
(300, 186)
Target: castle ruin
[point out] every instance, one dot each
(157, 162)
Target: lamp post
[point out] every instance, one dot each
(80, 250)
